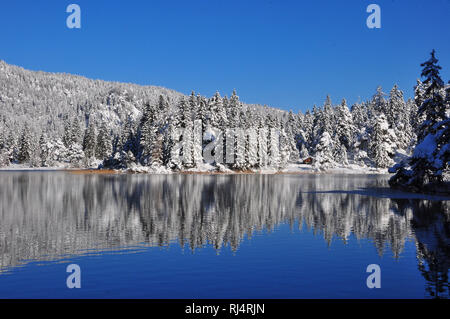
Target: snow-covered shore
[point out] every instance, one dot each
(210, 169)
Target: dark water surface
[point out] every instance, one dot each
(239, 236)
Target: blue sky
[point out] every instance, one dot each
(288, 54)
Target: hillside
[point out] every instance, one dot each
(64, 120)
(47, 99)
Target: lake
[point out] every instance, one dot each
(219, 236)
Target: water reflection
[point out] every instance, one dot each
(48, 216)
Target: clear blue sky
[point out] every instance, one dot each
(287, 54)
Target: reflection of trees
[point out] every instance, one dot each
(431, 224)
(46, 216)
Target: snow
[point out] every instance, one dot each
(20, 167)
(426, 148)
(136, 128)
(291, 168)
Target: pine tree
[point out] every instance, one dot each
(324, 152)
(148, 130)
(218, 113)
(2, 138)
(151, 138)
(340, 154)
(104, 143)
(273, 141)
(304, 153)
(187, 127)
(307, 137)
(11, 145)
(429, 163)
(326, 117)
(233, 137)
(433, 106)
(43, 150)
(379, 103)
(163, 109)
(75, 155)
(75, 132)
(345, 127)
(285, 144)
(205, 115)
(419, 93)
(173, 147)
(157, 156)
(197, 138)
(405, 132)
(291, 130)
(262, 142)
(89, 141)
(242, 141)
(251, 140)
(396, 108)
(398, 118)
(129, 141)
(24, 154)
(67, 137)
(381, 144)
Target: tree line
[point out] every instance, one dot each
(158, 130)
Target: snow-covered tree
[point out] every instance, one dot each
(104, 143)
(395, 107)
(67, 137)
(163, 130)
(89, 142)
(75, 132)
(291, 131)
(44, 150)
(433, 106)
(428, 167)
(345, 127)
(25, 148)
(379, 103)
(381, 144)
(324, 152)
(197, 140)
(151, 139)
(273, 141)
(75, 155)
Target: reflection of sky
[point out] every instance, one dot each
(283, 264)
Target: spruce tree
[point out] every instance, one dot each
(104, 143)
(75, 132)
(379, 103)
(24, 154)
(428, 167)
(89, 141)
(324, 152)
(187, 126)
(433, 106)
(381, 144)
(273, 141)
(345, 127)
(43, 150)
(148, 134)
(67, 137)
(395, 108)
(291, 130)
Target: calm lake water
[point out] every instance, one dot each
(238, 236)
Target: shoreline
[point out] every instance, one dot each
(291, 171)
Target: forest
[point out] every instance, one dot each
(62, 120)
